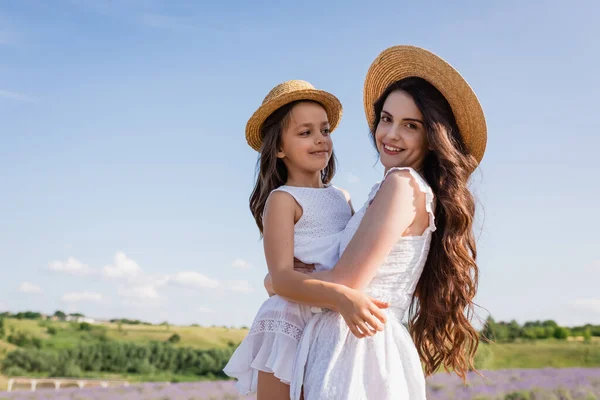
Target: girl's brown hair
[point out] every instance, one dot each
(271, 171)
(442, 305)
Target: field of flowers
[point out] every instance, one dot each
(512, 384)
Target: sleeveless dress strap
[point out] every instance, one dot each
(291, 192)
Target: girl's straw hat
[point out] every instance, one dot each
(401, 62)
(283, 94)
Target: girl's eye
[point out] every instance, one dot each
(326, 131)
(305, 133)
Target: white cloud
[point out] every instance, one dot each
(72, 267)
(594, 266)
(239, 286)
(588, 304)
(143, 292)
(353, 178)
(75, 297)
(27, 287)
(194, 280)
(205, 310)
(17, 96)
(240, 263)
(124, 267)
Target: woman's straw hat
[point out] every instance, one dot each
(283, 94)
(401, 62)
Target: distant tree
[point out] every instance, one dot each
(51, 330)
(488, 333)
(28, 315)
(77, 315)
(549, 331)
(2, 327)
(175, 338)
(561, 333)
(587, 335)
(550, 323)
(21, 339)
(514, 330)
(84, 326)
(60, 315)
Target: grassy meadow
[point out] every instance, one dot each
(57, 336)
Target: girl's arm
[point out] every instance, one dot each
(398, 209)
(298, 266)
(359, 311)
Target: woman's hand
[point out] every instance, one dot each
(363, 314)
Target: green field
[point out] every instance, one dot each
(62, 335)
(69, 335)
(540, 354)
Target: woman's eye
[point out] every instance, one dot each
(412, 126)
(386, 119)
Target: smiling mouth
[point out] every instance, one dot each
(391, 149)
(320, 153)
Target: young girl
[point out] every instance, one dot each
(294, 201)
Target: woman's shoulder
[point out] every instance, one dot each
(406, 178)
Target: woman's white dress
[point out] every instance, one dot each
(331, 363)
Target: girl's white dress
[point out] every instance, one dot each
(271, 344)
(332, 363)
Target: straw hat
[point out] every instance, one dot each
(401, 62)
(283, 94)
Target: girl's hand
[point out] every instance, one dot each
(304, 268)
(363, 314)
(269, 285)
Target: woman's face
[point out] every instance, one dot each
(400, 135)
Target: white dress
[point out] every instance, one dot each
(332, 363)
(271, 343)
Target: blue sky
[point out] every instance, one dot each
(125, 175)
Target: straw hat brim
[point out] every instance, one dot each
(330, 103)
(399, 62)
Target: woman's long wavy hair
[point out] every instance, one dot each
(271, 171)
(442, 306)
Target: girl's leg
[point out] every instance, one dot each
(271, 388)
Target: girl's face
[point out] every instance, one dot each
(400, 135)
(306, 145)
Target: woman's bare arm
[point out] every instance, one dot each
(398, 209)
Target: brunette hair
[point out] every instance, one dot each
(442, 306)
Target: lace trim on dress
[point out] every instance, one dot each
(276, 326)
